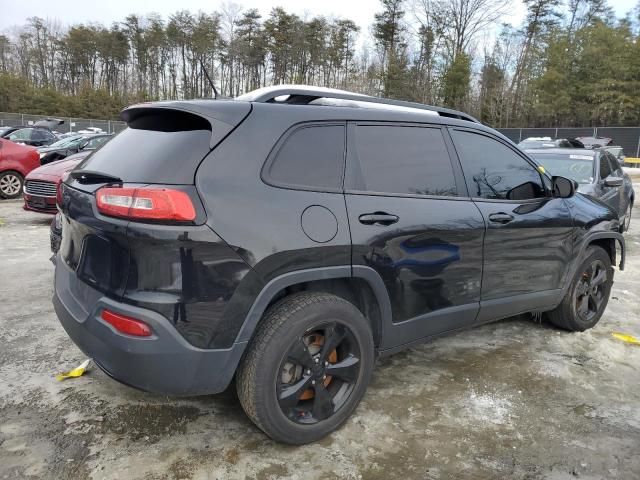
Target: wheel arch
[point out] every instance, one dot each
(607, 241)
(359, 285)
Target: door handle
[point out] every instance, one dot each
(500, 217)
(378, 218)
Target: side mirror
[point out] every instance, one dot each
(613, 181)
(563, 187)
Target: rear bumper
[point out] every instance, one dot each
(163, 363)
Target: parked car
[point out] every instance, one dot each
(548, 142)
(41, 184)
(16, 161)
(598, 174)
(595, 142)
(90, 130)
(246, 240)
(68, 146)
(33, 136)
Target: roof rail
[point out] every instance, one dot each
(303, 95)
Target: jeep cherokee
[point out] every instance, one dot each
(290, 236)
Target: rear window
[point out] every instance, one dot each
(159, 148)
(312, 157)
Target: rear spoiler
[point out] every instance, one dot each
(222, 115)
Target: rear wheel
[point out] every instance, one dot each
(588, 295)
(307, 367)
(11, 184)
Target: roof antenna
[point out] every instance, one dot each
(213, 87)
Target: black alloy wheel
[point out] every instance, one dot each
(307, 367)
(318, 373)
(589, 294)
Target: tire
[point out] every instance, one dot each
(571, 313)
(273, 381)
(11, 183)
(626, 222)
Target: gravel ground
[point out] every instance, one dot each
(516, 399)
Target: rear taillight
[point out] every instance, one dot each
(65, 175)
(59, 193)
(145, 203)
(126, 325)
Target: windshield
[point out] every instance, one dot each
(573, 166)
(64, 142)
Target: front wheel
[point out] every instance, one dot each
(626, 221)
(307, 367)
(10, 184)
(588, 294)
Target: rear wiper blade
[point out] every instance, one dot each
(89, 176)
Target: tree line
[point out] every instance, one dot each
(570, 63)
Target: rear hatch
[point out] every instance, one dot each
(117, 190)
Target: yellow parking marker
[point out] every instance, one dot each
(626, 338)
(76, 372)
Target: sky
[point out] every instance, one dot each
(107, 11)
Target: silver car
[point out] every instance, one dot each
(598, 173)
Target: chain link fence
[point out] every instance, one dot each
(70, 124)
(626, 137)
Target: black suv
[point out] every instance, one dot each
(290, 236)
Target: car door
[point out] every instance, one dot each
(528, 241)
(412, 222)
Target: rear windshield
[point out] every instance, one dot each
(574, 166)
(157, 152)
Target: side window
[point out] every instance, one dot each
(403, 160)
(494, 171)
(615, 164)
(311, 157)
(605, 168)
(39, 134)
(22, 134)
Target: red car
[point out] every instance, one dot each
(16, 161)
(41, 184)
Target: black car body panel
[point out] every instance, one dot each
(420, 262)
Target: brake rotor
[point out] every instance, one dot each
(316, 341)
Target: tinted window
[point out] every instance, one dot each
(605, 168)
(492, 170)
(39, 134)
(137, 155)
(405, 160)
(310, 157)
